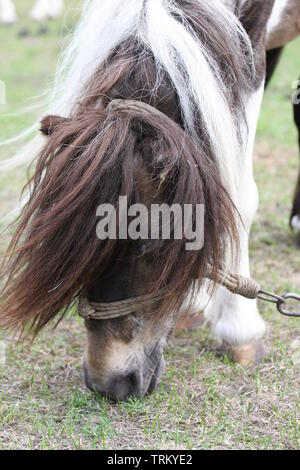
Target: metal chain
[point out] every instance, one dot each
(281, 302)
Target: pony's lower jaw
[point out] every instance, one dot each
(158, 373)
(122, 393)
(136, 382)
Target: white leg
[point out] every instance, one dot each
(296, 223)
(44, 9)
(55, 8)
(234, 319)
(39, 11)
(8, 13)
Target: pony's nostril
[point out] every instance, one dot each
(126, 386)
(133, 379)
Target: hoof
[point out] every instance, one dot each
(249, 354)
(189, 322)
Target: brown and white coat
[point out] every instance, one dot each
(203, 65)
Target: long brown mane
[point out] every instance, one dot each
(90, 159)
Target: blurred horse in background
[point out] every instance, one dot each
(273, 58)
(41, 10)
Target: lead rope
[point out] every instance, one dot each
(235, 283)
(250, 289)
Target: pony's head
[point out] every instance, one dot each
(183, 66)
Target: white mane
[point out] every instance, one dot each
(161, 26)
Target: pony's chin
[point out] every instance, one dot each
(123, 387)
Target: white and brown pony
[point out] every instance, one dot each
(273, 57)
(196, 73)
(41, 10)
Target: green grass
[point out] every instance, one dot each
(204, 401)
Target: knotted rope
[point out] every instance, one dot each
(237, 284)
(122, 308)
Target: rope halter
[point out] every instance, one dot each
(236, 284)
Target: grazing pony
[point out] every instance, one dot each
(156, 101)
(42, 10)
(273, 57)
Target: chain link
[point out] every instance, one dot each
(281, 302)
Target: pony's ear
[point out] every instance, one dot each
(50, 123)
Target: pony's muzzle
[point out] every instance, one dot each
(136, 382)
(123, 386)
